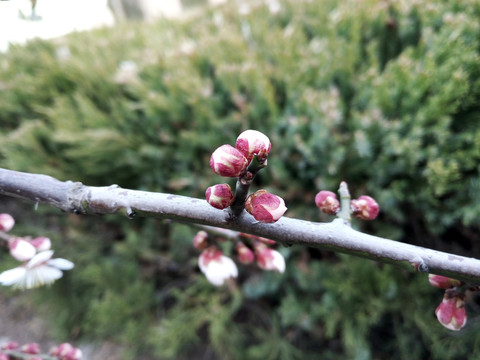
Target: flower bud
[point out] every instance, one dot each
(41, 243)
(451, 312)
(216, 267)
(365, 208)
(6, 222)
(30, 348)
(21, 249)
(269, 259)
(228, 161)
(443, 282)
(200, 240)
(253, 142)
(220, 196)
(66, 351)
(11, 345)
(265, 207)
(245, 255)
(4, 356)
(327, 202)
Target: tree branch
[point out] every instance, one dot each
(335, 236)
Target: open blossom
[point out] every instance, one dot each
(253, 142)
(365, 208)
(220, 196)
(21, 249)
(216, 266)
(6, 222)
(451, 312)
(327, 202)
(269, 259)
(265, 207)
(228, 161)
(40, 270)
(443, 282)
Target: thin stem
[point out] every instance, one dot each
(345, 198)
(243, 185)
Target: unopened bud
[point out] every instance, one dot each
(451, 311)
(11, 345)
(327, 202)
(216, 267)
(30, 348)
(253, 142)
(228, 161)
(4, 356)
(200, 240)
(265, 207)
(220, 196)
(365, 208)
(41, 243)
(6, 222)
(245, 254)
(21, 249)
(269, 259)
(443, 282)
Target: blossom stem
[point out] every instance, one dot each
(243, 185)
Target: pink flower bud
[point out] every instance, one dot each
(21, 249)
(66, 351)
(451, 312)
(4, 356)
(365, 208)
(245, 255)
(269, 259)
(443, 282)
(30, 348)
(11, 345)
(253, 142)
(200, 240)
(228, 161)
(216, 267)
(265, 207)
(327, 202)
(41, 243)
(220, 196)
(6, 222)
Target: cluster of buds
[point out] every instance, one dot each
(364, 208)
(38, 267)
(218, 268)
(451, 312)
(31, 351)
(251, 147)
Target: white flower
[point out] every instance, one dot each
(40, 270)
(216, 266)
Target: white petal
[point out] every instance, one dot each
(278, 261)
(61, 264)
(40, 258)
(13, 276)
(218, 271)
(41, 275)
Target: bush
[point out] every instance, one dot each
(383, 96)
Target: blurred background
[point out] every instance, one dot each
(382, 94)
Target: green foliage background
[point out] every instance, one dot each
(383, 95)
